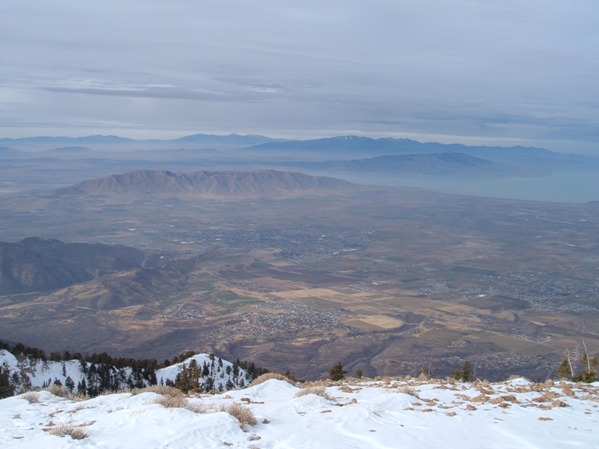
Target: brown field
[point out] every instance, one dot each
(400, 279)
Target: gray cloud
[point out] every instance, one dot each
(459, 70)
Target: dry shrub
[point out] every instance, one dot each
(76, 433)
(172, 401)
(32, 397)
(197, 408)
(164, 390)
(319, 391)
(57, 390)
(243, 414)
(267, 376)
(79, 397)
(411, 391)
(320, 383)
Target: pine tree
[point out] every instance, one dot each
(6, 387)
(188, 377)
(70, 384)
(464, 373)
(209, 385)
(564, 371)
(589, 369)
(426, 371)
(589, 366)
(337, 372)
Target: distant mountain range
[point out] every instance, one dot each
(357, 153)
(341, 153)
(359, 144)
(61, 140)
(211, 139)
(430, 164)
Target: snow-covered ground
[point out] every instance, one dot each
(359, 414)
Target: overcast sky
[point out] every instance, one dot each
(472, 71)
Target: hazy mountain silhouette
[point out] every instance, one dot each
(211, 183)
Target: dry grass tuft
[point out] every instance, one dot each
(76, 433)
(32, 397)
(80, 397)
(319, 391)
(57, 390)
(243, 414)
(410, 391)
(172, 401)
(267, 376)
(321, 383)
(164, 390)
(197, 408)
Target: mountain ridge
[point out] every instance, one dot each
(35, 373)
(210, 183)
(430, 164)
(36, 264)
(261, 151)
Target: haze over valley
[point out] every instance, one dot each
(276, 225)
(147, 249)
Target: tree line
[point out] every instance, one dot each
(100, 372)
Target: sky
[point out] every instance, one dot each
(515, 72)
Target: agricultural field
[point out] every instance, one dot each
(384, 280)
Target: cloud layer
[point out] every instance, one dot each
(497, 71)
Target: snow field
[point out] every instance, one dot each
(362, 414)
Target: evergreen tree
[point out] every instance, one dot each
(589, 369)
(188, 377)
(426, 371)
(565, 370)
(588, 366)
(289, 375)
(70, 384)
(337, 372)
(6, 387)
(82, 387)
(465, 373)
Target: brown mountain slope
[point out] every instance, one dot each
(210, 183)
(35, 264)
(119, 290)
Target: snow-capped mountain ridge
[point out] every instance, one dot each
(26, 373)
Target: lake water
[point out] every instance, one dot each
(568, 187)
